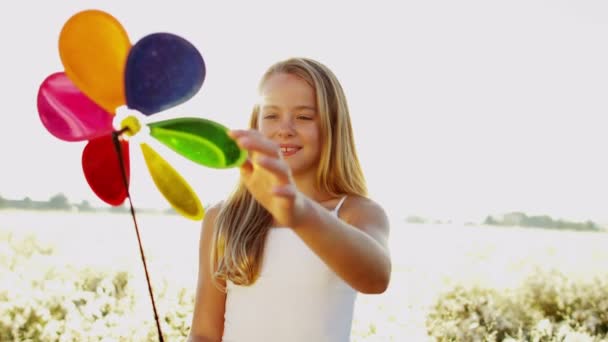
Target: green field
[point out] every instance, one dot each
(39, 249)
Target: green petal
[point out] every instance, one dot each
(203, 141)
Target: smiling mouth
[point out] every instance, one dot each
(289, 151)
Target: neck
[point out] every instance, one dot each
(306, 185)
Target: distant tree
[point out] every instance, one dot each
(538, 221)
(490, 221)
(522, 220)
(119, 209)
(27, 203)
(591, 225)
(516, 218)
(415, 219)
(2, 202)
(84, 206)
(59, 202)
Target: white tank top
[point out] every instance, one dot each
(296, 297)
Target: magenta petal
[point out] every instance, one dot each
(67, 113)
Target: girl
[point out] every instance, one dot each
(284, 256)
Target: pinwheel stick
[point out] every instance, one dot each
(115, 137)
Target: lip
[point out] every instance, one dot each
(290, 146)
(295, 148)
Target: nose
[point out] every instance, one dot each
(286, 128)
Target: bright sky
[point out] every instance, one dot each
(460, 108)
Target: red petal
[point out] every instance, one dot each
(102, 169)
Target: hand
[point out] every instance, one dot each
(268, 178)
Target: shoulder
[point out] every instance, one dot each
(364, 213)
(208, 224)
(354, 206)
(212, 212)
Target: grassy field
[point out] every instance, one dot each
(427, 260)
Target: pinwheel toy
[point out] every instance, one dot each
(104, 73)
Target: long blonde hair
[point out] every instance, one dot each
(242, 223)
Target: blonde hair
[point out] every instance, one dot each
(242, 223)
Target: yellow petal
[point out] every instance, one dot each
(172, 185)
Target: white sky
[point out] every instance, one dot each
(460, 108)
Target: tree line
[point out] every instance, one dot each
(520, 219)
(61, 202)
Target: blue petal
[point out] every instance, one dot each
(163, 70)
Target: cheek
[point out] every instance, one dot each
(265, 129)
(313, 135)
(317, 134)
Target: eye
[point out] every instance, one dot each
(269, 116)
(305, 117)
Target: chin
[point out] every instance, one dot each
(299, 170)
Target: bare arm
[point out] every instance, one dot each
(209, 305)
(355, 248)
(200, 339)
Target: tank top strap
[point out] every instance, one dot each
(337, 208)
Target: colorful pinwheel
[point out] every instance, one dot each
(103, 72)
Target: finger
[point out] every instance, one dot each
(259, 144)
(286, 191)
(246, 168)
(236, 133)
(277, 167)
(253, 139)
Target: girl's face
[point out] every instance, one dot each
(289, 117)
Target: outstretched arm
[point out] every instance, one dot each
(355, 248)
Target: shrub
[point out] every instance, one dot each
(548, 306)
(45, 301)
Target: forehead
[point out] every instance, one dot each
(284, 89)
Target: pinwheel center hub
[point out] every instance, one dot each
(130, 125)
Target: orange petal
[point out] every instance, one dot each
(93, 47)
